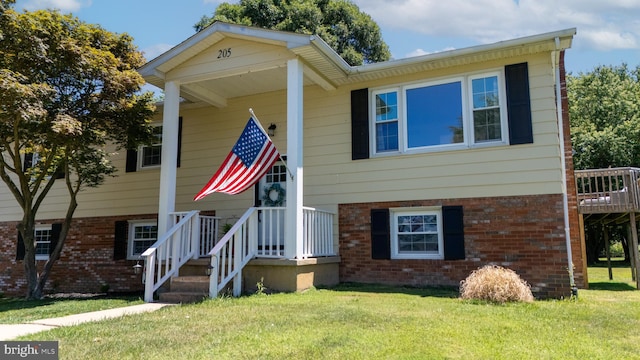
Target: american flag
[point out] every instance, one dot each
(251, 157)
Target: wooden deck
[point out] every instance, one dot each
(603, 191)
(611, 197)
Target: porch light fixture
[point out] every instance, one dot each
(137, 268)
(271, 130)
(209, 270)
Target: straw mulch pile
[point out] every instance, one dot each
(495, 284)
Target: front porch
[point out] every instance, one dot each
(253, 250)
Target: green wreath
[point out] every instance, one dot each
(268, 201)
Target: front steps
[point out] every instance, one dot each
(191, 286)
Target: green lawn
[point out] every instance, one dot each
(621, 271)
(366, 322)
(16, 311)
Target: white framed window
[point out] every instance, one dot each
(42, 239)
(453, 113)
(487, 107)
(416, 233)
(150, 156)
(142, 234)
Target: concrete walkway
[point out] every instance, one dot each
(11, 331)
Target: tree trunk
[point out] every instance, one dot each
(55, 254)
(31, 273)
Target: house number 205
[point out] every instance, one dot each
(224, 53)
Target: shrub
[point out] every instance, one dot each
(496, 284)
(616, 249)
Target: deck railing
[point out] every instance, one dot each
(612, 190)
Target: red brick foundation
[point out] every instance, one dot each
(524, 233)
(86, 264)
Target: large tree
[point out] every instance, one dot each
(351, 33)
(604, 108)
(69, 92)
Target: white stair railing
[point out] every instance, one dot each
(163, 259)
(236, 248)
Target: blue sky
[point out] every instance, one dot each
(608, 31)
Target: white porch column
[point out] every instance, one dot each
(169, 163)
(293, 213)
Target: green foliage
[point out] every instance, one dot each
(604, 108)
(68, 90)
(351, 33)
(616, 249)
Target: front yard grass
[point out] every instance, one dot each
(366, 322)
(17, 311)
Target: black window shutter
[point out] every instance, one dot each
(380, 234)
(120, 240)
(360, 124)
(132, 160)
(55, 236)
(518, 104)
(59, 172)
(453, 232)
(20, 248)
(179, 140)
(28, 161)
(257, 200)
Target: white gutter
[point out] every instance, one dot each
(565, 199)
(513, 43)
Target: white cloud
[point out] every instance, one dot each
(611, 24)
(62, 5)
(152, 52)
(420, 52)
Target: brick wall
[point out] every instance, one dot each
(86, 262)
(524, 233)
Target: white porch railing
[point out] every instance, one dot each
(209, 231)
(270, 232)
(318, 233)
(260, 232)
(164, 258)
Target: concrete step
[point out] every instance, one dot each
(182, 297)
(190, 284)
(195, 267)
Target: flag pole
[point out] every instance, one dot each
(260, 125)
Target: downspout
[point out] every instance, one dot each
(563, 162)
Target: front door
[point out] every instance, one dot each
(271, 197)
